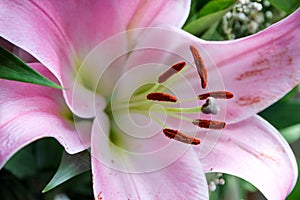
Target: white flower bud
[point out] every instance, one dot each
(212, 186)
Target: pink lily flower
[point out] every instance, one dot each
(108, 67)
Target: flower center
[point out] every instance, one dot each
(161, 100)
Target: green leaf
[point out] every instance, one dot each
(282, 114)
(211, 13)
(12, 68)
(291, 133)
(215, 6)
(194, 10)
(287, 6)
(70, 166)
(232, 188)
(212, 33)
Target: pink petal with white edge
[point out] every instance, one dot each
(183, 178)
(255, 151)
(30, 112)
(258, 69)
(61, 34)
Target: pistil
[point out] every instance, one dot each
(156, 93)
(211, 106)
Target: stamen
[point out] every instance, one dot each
(196, 109)
(159, 96)
(170, 72)
(202, 123)
(216, 94)
(211, 106)
(177, 135)
(201, 68)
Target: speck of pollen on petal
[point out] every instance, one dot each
(156, 93)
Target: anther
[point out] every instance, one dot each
(177, 135)
(159, 96)
(170, 72)
(216, 94)
(211, 106)
(210, 124)
(201, 68)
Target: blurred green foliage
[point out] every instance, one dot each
(210, 13)
(27, 173)
(287, 6)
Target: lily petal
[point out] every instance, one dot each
(255, 151)
(259, 69)
(54, 37)
(182, 179)
(140, 13)
(178, 180)
(30, 112)
(61, 34)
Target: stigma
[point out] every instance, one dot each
(211, 106)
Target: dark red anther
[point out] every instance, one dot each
(217, 95)
(170, 72)
(201, 68)
(210, 124)
(159, 96)
(177, 135)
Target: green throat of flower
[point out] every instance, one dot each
(159, 99)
